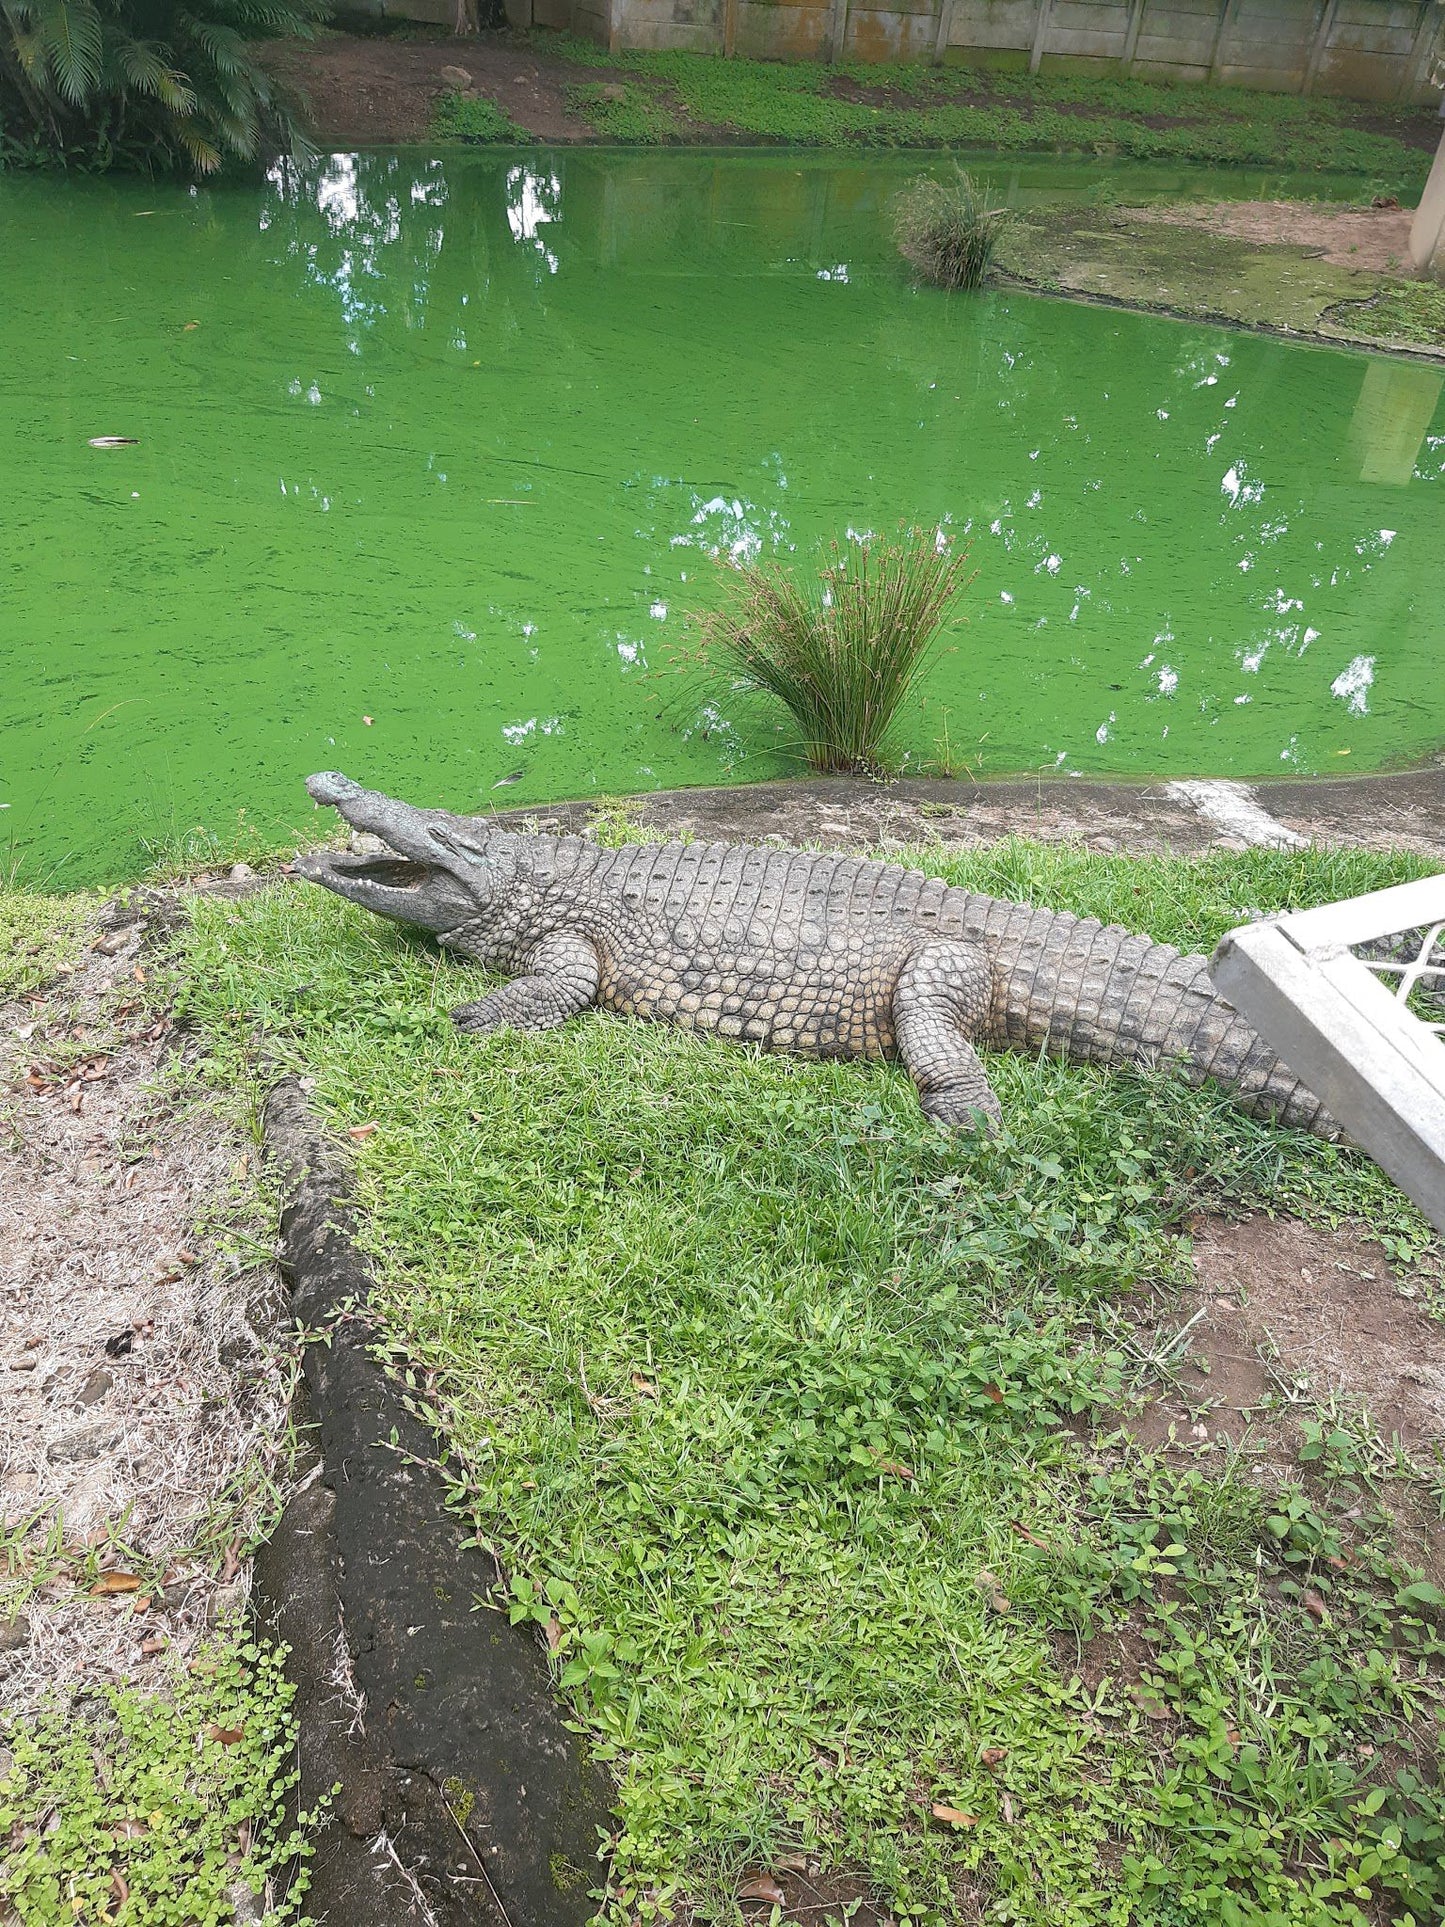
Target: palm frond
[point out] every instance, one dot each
(73, 39)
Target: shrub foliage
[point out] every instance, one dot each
(171, 86)
(842, 656)
(947, 230)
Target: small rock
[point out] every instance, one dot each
(226, 1600)
(239, 872)
(455, 76)
(95, 1388)
(85, 1442)
(247, 1907)
(14, 1634)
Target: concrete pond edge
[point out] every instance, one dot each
(461, 1797)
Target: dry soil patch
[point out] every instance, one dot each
(1371, 239)
(1280, 1319)
(138, 1375)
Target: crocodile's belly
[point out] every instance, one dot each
(831, 1002)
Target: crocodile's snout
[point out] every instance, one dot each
(330, 786)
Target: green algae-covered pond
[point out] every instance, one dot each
(431, 457)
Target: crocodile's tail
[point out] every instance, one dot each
(1098, 994)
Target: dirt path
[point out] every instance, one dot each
(141, 1387)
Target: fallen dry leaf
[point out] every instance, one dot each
(644, 1386)
(231, 1564)
(898, 1470)
(763, 1887)
(553, 1630)
(1032, 1538)
(993, 1392)
(1149, 1704)
(988, 1584)
(952, 1816)
(150, 1647)
(119, 1887)
(1314, 1606)
(362, 1130)
(114, 1582)
(225, 1735)
(991, 1756)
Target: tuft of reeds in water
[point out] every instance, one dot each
(947, 230)
(841, 654)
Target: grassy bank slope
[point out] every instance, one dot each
(794, 1423)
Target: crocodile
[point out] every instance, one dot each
(796, 950)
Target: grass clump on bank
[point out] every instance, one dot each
(917, 104)
(633, 115)
(947, 231)
(475, 121)
(757, 1385)
(843, 657)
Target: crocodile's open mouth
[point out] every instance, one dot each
(384, 872)
(359, 875)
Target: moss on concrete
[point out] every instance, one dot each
(1109, 254)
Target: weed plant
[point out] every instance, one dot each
(947, 231)
(39, 936)
(758, 1386)
(841, 658)
(161, 1804)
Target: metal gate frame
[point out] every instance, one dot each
(1343, 1025)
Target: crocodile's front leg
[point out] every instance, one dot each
(943, 1000)
(561, 977)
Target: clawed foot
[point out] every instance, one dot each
(976, 1111)
(478, 1018)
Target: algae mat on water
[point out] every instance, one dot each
(426, 459)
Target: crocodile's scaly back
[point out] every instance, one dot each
(798, 950)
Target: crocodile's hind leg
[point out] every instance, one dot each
(561, 979)
(944, 1000)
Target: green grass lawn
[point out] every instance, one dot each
(672, 96)
(797, 1417)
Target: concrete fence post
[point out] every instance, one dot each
(1427, 230)
(1131, 35)
(1041, 28)
(1320, 46)
(1221, 30)
(1416, 70)
(945, 30)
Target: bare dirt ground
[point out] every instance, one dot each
(1373, 239)
(379, 91)
(1282, 1318)
(141, 1392)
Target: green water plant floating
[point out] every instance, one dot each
(843, 656)
(947, 230)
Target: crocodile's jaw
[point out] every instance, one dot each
(420, 894)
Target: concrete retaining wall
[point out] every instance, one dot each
(1388, 50)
